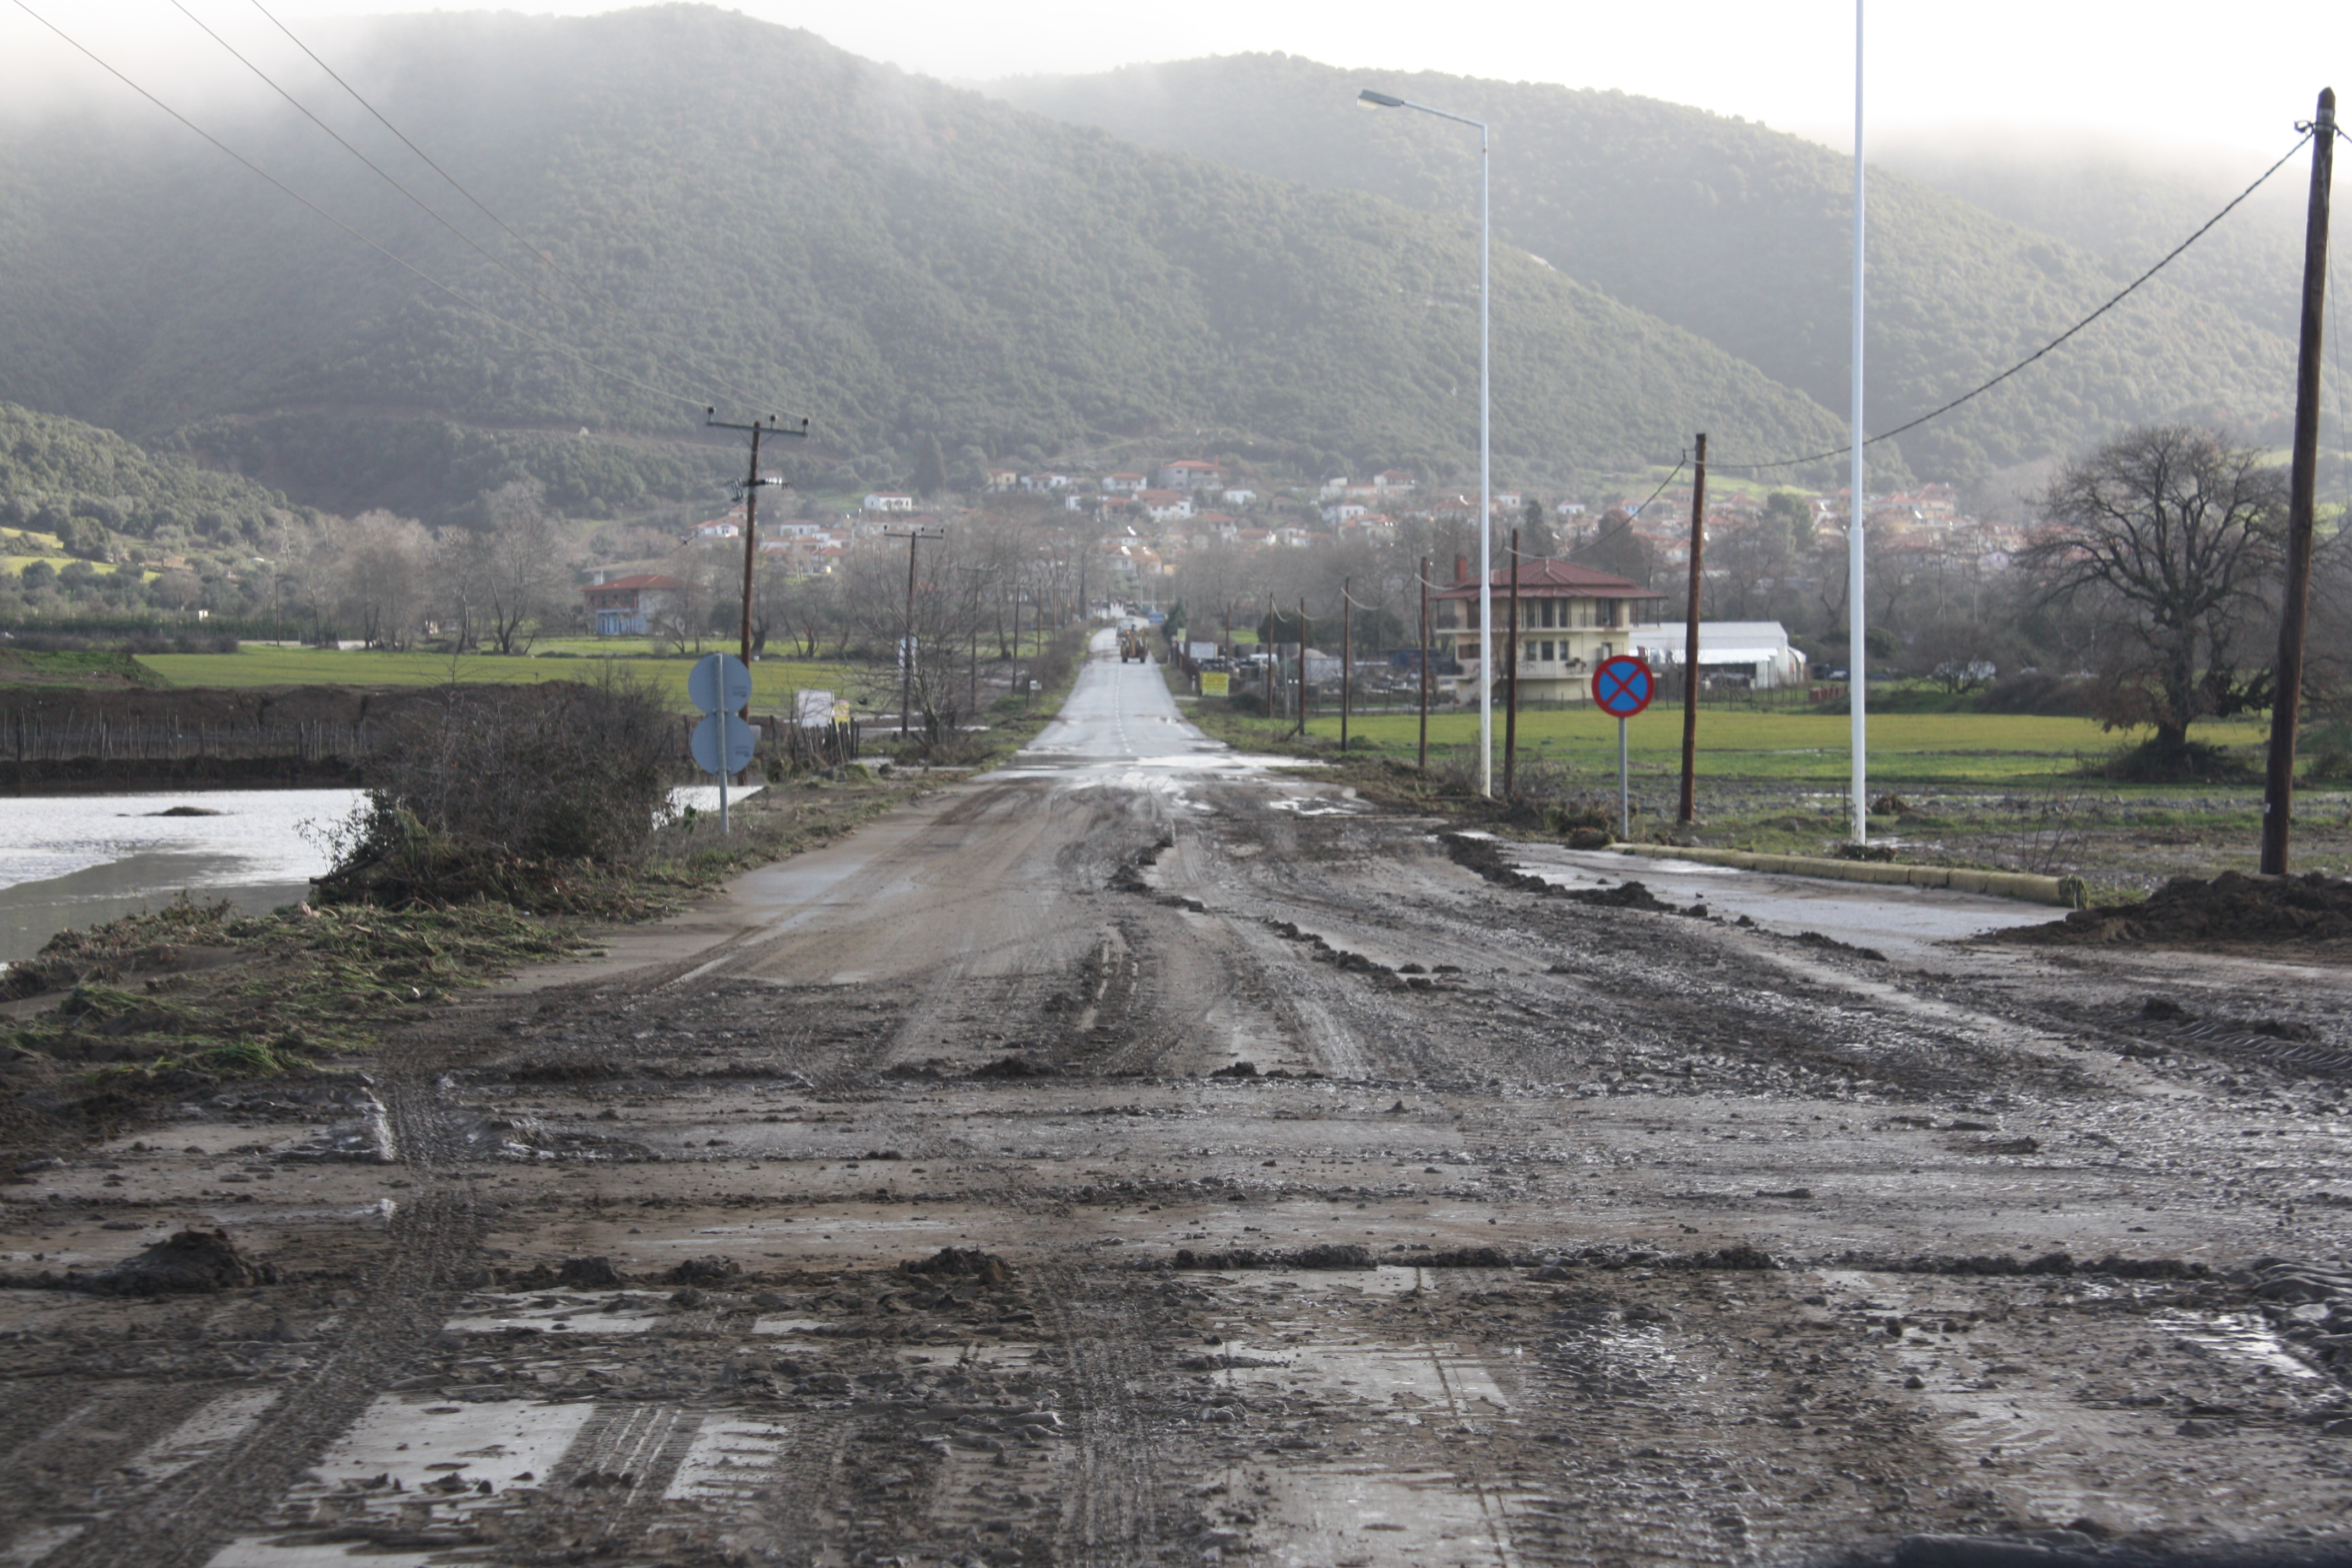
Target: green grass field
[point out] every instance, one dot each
(261, 665)
(1905, 748)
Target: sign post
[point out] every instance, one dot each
(720, 685)
(1623, 687)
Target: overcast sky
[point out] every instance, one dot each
(2228, 78)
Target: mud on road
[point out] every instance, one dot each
(1138, 1156)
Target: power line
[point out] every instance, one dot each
(692, 368)
(1632, 517)
(2112, 303)
(545, 341)
(380, 173)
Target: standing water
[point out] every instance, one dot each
(80, 860)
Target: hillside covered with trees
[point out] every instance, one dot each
(1740, 235)
(90, 488)
(761, 221)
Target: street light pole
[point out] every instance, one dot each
(1369, 99)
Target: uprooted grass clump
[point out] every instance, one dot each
(187, 996)
(260, 995)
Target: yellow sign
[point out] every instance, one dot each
(1215, 683)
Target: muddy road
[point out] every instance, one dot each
(1141, 1156)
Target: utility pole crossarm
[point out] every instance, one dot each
(751, 483)
(907, 644)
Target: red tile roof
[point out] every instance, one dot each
(1554, 579)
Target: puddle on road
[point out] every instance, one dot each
(580, 1318)
(1368, 1518)
(1322, 1514)
(729, 1461)
(413, 1445)
(214, 1427)
(2239, 1336)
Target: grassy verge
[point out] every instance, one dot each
(1992, 792)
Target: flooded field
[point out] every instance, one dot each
(75, 860)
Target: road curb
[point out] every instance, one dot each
(2066, 892)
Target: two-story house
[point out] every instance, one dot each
(1571, 618)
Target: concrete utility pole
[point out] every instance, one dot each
(1858, 511)
(1371, 100)
(1347, 645)
(1511, 660)
(1690, 642)
(751, 483)
(2286, 706)
(907, 644)
(1423, 575)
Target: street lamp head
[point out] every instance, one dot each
(1367, 98)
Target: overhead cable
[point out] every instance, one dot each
(2112, 303)
(693, 368)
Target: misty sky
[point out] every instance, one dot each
(2231, 78)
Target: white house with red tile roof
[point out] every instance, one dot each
(1571, 618)
(888, 500)
(620, 606)
(1188, 474)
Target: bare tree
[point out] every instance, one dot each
(2169, 538)
(524, 558)
(384, 578)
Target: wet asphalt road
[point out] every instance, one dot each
(1313, 1202)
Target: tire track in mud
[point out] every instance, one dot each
(1117, 1498)
(1731, 997)
(402, 1304)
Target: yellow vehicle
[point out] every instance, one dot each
(1132, 648)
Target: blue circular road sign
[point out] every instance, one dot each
(1623, 686)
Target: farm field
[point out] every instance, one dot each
(252, 665)
(1905, 748)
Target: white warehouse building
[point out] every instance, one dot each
(1755, 651)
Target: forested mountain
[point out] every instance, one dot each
(898, 260)
(2127, 210)
(60, 476)
(1739, 234)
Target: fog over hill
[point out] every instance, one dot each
(895, 258)
(1740, 234)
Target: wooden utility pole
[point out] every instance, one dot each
(1511, 664)
(2286, 706)
(752, 482)
(907, 643)
(1423, 577)
(971, 698)
(1347, 648)
(1302, 664)
(1690, 641)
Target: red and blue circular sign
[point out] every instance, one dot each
(1623, 686)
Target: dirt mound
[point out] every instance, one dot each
(1013, 1067)
(588, 1271)
(963, 1263)
(712, 1270)
(2310, 910)
(1319, 1256)
(190, 1260)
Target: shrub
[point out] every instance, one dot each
(485, 787)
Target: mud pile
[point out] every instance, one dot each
(189, 1260)
(2312, 910)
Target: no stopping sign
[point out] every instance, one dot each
(1623, 686)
